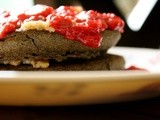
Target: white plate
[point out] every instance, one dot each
(85, 87)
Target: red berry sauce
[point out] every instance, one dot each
(132, 67)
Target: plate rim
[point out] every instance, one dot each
(76, 76)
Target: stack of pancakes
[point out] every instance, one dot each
(62, 54)
(35, 49)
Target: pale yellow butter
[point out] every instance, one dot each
(36, 25)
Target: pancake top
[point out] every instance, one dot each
(72, 23)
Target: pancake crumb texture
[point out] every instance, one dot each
(106, 62)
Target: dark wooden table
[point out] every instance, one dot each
(148, 109)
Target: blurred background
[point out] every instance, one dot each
(142, 17)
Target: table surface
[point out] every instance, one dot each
(147, 109)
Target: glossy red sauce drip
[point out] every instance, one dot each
(83, 26)
(132, 67)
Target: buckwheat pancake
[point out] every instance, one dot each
(106, 62)
(45, 45)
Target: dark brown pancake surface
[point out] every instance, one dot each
(46, 45)
(106, 62)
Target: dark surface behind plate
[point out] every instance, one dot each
(136, 110)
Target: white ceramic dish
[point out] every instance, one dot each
(85, 87)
